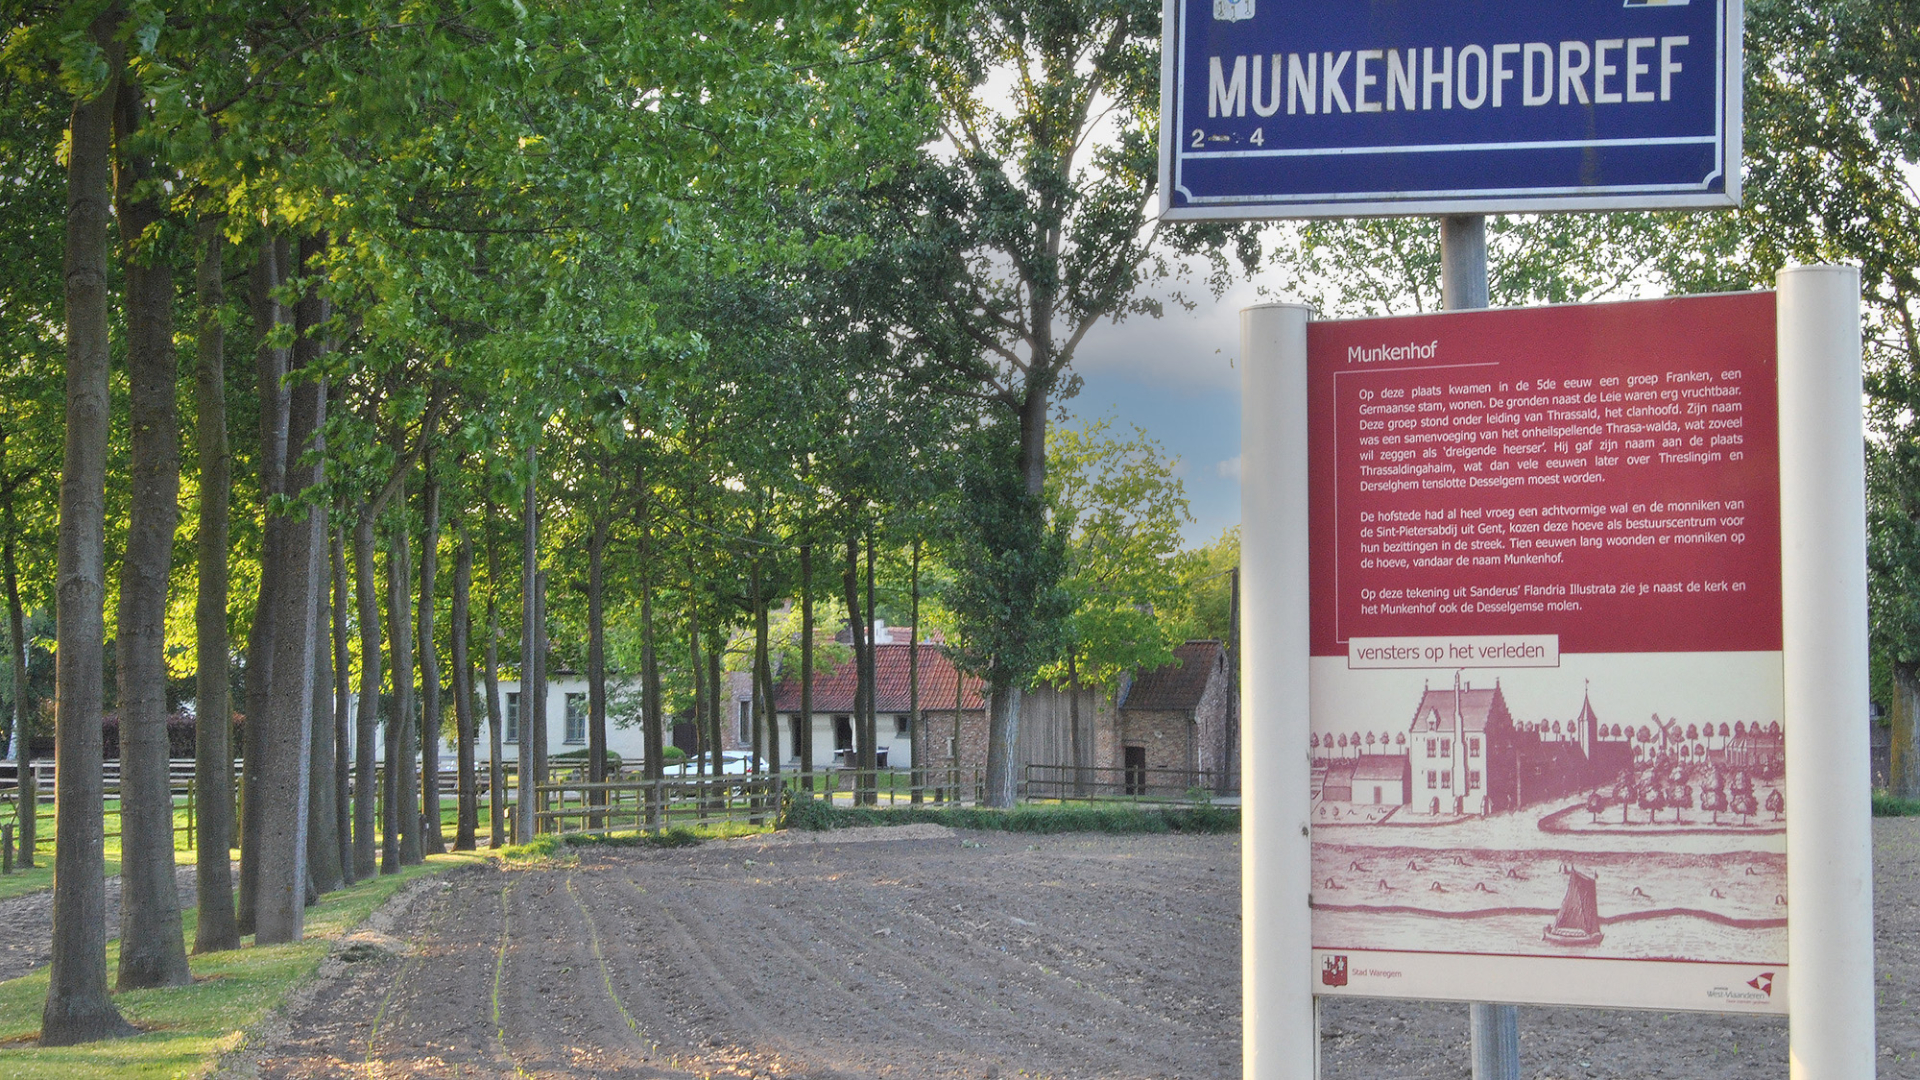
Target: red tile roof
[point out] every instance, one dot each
(1178, 685)
(1475, 708)
(833, 689)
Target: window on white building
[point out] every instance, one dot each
(1473, 747)
(513, 717)
(1446, 747)
(1473, 779)
(1431, 752)
(1446, 778)
(900, 727)
(576, 718)
(1433, 780)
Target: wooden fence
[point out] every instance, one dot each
(1138, 784)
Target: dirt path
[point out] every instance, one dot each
(935, 954)
(26, 923)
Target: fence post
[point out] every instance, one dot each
(6, 848)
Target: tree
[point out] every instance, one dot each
(1015, 245)
(1776, 804)
(152, 952)
(77, 1007)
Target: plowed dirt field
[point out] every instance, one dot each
(920, 952)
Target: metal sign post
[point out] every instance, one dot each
(1495, 1029)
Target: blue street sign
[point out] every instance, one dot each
(1335, 108)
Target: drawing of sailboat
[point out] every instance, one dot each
(1578, 922)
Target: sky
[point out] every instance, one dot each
(1176, 378)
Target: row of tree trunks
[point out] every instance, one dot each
(367, 719)
(523, 825)
(401, 837)
(286, 722)
(152, 951)
(324, 872)
(270, 369)
(433, 839)
(342, 715)
(29, 789)
(496, 767)
(466, 822)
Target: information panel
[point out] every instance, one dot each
(1355, 107)
(1546, 700)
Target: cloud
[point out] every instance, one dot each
(1182, 350)
(1228, 469)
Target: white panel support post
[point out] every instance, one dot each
(1281, 1035)
(1824, 617)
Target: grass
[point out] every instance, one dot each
(186, 1029)
(1888, 805)
(1065, 818)
(551, 848)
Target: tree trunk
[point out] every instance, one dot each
(857, 628)
(402, 725)
(1073, 722)
(28, 807)
(540, 645)
(496, 768)
(280, 912)
(468, 818)
(529, 644)
(763, 677)
(959, 699)
(433, 837)
(698, 669)
(597, 665)
(1903, 779)
(1003, 732)
(213, 694)
(713, 695)
(77, 1008)
(916, 727)
(270, 369)
(342, 704)
(870, 719)
(804, 721)
(152, 950)
(366, 777)
(324, 873)
(1229, 780)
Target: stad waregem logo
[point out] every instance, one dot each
(1762, 982)
(1232, 10)
(1333, 971)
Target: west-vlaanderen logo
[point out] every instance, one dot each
(1235, 10)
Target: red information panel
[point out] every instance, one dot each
(1546, 655)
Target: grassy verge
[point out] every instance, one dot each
(187, 1028)
(807, 814)
(547, 848)
(1886, 805)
